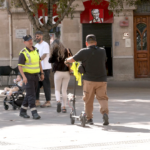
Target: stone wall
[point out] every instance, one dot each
(4, 35)
(123, 57)
(19, 21)
(71, 32)
(71, 36)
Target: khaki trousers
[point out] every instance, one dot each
(92, 89)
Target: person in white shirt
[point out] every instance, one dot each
(44, 51)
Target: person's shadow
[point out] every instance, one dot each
(112, 128)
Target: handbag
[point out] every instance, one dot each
(81, 69)
(69, 66)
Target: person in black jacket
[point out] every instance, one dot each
(61, 72)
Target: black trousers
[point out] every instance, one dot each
(46, 86)
(30, 88)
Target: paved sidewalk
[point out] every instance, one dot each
(129, 129)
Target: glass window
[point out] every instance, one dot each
(138, 39)
(145, 40)
(141, 27)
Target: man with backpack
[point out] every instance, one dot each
(93, 61)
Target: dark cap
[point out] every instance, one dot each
(27, 37)
(39, 32)
(90, 37)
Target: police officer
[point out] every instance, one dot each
(30, 66)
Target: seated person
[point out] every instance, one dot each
(17, 81)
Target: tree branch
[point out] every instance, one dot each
(36, 13)
(29, 13)
(50, 11)
(63, 15)
(43, 13)
(8, 7)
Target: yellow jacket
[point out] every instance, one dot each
(32, 61)
(77, 75)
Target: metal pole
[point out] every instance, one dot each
(10, 40)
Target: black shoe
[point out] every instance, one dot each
(64, 110)
(90, 121)
(24, 115)
(36, 116)
(105, 119)
(58, 107)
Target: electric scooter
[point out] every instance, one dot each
(73, 114)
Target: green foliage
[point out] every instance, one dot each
(118, 5)
(2, 3)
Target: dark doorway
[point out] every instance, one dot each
(103, 33)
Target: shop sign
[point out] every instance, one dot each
(124, 23)
(96, 16)
(126, 34)
(127, 42)
(116, 43)
(20, 33)
(96, 13)
(40, 15)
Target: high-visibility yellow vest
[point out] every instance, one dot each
(32, 61)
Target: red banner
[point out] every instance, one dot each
(55, 16)
(96, 13)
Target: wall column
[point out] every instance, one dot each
(123, 57)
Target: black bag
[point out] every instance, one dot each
(81, 68)
(5, 70)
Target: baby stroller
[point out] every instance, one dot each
(15, 100)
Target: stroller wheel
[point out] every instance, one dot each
(83, 119)
(6, 107)
(72, 119)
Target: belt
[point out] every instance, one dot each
(34, 74)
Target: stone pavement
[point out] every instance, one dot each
(129, 129)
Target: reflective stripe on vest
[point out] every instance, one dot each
(30, 67)
(28, 56)
(32, 61)
(35, 63)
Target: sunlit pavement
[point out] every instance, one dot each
(129, 128)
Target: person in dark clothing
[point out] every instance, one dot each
(94, 78)
(61, 72)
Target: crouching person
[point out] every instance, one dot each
(93, 59)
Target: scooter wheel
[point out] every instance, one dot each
(6, 107)
(72, 119)
(83, 120)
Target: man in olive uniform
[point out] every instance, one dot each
(30, 66)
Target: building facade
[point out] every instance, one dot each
(125, 37)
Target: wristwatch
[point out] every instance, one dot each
(42, 73)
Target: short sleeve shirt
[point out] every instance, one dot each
(44, 49)
(93, 59)
(22, 58)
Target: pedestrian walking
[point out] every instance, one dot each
(44, 52)
(61, 72)
(30, 66)
(93, 61)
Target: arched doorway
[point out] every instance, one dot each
(141, 41)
